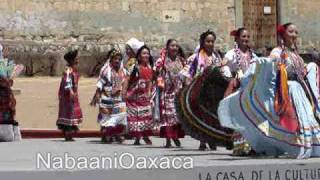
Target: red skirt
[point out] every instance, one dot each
(70, 113)
(173, 132)
(139, 117)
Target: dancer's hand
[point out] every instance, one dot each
(305, 71)
(116, 93)
(95, 99)
(72, 94)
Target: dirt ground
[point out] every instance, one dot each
(37, 105)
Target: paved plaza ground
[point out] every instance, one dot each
(36, 158)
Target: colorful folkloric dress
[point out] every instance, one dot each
(239, 62)
(198, 62)
(274, 108)
(9, 130)
(139, 110)
(9, 127)
(70, 114)
(169, 73)
(197, 102)
(112, 108)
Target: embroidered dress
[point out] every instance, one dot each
(198, 62)
(70, 114)
(112, 108)
(197, 103)
(239, 62)
(139, 111)
(169, 72)
(273, 109)
(9, 130)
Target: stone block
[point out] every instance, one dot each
(171, 16)
(125, 6)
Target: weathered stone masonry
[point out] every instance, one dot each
(38, 32)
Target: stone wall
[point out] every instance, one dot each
(305, 14)
(34, 28)
(38, 32)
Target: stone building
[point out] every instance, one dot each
(38, 32)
